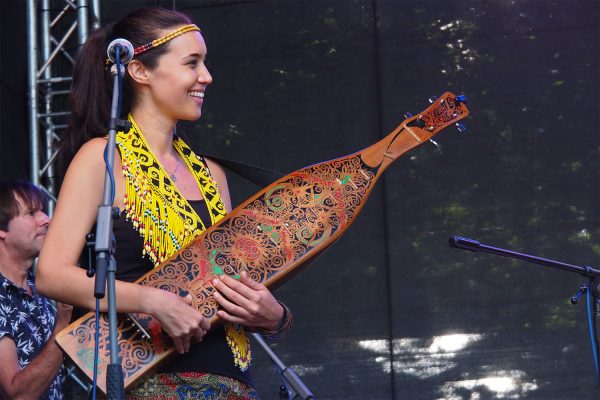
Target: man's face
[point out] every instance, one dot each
(26, 231)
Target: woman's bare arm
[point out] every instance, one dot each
(58, 275)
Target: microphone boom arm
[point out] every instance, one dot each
(591, 288)
(474, 245)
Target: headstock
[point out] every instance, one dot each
(444, 111)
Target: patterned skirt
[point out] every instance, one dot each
(192, 385)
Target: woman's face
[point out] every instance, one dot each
(178, 82)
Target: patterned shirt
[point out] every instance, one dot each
(29, 322)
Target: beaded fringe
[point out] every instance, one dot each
(162, 228)
(239, 344)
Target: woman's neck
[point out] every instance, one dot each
(157, 130)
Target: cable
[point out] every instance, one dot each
(119, 80)
(119, 104)
(592, 329)
(96, 351)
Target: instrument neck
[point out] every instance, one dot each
(383, 153)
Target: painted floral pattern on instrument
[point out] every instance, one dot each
(271, 232)
(270, 235)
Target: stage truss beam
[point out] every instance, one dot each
(56, 29)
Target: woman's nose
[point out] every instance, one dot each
(205, 77)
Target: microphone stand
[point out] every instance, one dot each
(590, 288)
(292, 384)
(106, 266)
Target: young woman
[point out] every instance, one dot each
(168, 196)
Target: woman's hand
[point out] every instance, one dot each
(247, 302)
(181, 321)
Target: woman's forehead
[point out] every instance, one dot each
(188, 43)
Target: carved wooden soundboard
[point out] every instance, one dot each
(270, 235)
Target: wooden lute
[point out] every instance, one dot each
(272, 234)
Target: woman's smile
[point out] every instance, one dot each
(197, 95)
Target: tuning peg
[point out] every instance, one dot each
(436, 144)
(407, 115)
(432, 99)
(420, 122)
(461, 128)
(462, 98)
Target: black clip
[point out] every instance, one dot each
(90, 243)
(124, 124)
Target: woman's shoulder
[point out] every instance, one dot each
(83, 182)
(93, 147)
(217, 172)
(218, 175)
(214, 167)
(92, 152)
(87, 170)
(89, 159)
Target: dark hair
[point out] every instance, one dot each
(91, 91)
(10, 192)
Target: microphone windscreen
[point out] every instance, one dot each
(125, 50)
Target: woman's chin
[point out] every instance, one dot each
(191, 116)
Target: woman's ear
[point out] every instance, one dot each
(138, 72)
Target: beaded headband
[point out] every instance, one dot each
(170, 36)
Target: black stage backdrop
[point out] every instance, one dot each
(390, 311)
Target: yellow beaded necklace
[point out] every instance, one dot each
(163, 217)
(152, 202)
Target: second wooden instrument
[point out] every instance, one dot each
(270, 235)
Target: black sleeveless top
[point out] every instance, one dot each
(213, 354)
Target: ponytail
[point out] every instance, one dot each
(90, 98)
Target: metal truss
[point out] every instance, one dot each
(56, 29)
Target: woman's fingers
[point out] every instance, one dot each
(182, 322)
(234, 290)
(230, 301)
(246, 302)
(251, 283)
(231, 312)
(233, 319)
(199, 335)
(178, 342)
(204, 323)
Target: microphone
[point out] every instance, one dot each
(125, 50)
(464, 243)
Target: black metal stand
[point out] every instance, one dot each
(590, 288)
(293, 387)
(106, 267)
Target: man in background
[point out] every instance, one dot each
(31, 360)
